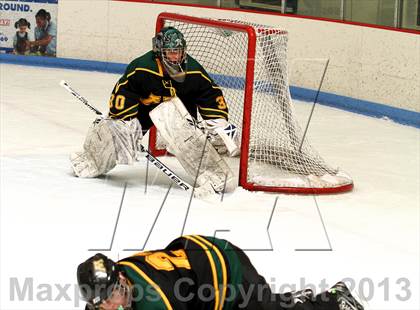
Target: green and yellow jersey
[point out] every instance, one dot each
(145, 84)
(186, 271)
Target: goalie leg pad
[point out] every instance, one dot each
(127, 137)
(107, 143)
(190, 145)
(84, 166)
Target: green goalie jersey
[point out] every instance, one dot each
(188, 270)
(145, 84)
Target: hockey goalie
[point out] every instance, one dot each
(167, 88)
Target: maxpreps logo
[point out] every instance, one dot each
(3, 37)
(4, 22)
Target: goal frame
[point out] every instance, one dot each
(247, 108)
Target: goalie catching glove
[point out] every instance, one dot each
(223, 136)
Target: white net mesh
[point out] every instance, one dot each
(276, 157)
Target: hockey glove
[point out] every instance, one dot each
(223, 136)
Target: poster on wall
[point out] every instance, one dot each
(28, 27)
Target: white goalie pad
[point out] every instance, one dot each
(108, 142)
(190, 146)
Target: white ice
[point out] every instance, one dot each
(50, 219)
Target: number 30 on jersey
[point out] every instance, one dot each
(118, 102)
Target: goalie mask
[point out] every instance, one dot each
(170, 46)
(100, 284)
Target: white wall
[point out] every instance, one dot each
(365, 63)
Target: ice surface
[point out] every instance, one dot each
(50, 219)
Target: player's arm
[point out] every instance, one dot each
(42, 42)
(52, 32)
(210, 102)
(214, 110)
(125, 98)
(122, 105)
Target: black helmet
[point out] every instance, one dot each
(97, 277)
(171, 39)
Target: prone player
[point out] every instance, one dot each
(194, 272)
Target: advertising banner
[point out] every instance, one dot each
(28, 27)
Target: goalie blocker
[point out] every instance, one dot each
(110, 142)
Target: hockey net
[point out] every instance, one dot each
(249, 62)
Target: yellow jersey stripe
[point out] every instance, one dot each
(129, 115)
(213, 110)
(214, 116)
(120, 84)
(224, 269)
(160, 73)
(118, 114)
(146, 70)
(213, 269)
(201, 73)
(159, 64)
(150, 281)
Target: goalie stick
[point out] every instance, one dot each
(161, 166)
